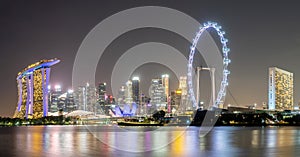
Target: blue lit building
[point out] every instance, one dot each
(33, 91)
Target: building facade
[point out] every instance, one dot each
(85, 98)
(184, 103)
(280, 89)
(128, 92)
(157, 95)
(176, 99)
(136, 89)
(121, 95)
(55, 99)
(101, 93)
(165, 82)
(33, 91)
(69, 102)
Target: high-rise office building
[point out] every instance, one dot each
(69, 102)
(100, 107)
(183, 85)
(128, 92)
(54, 100)
(101, 93)
(157, 94)
(280, 89)
(165, 83)
(61, 101)
(136, 89)
(91, 98)
(79, 98)
(184, 103)
(121, 95)
(176, 99)
(85, 98)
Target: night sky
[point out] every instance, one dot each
(261, 34)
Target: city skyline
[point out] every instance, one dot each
(92, 98)
(260, 36)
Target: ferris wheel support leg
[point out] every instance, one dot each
(198, 87)
(213, 87)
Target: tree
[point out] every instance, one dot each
(159, 115)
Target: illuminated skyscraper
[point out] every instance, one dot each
(54, 94)
(79, 97)
(85, 98)
(183, 85)
(33, 92)
(176, 99)
(121, 95)
(101, 93)
(184, 105)
(61, 101)
(128, 92)
(280, 89)
(165, 83)
(136, 89)
(157, 94)
(69, 102)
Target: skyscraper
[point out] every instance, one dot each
(165, 83)
(136, 89)
(80, 98)
(280, 89)
(69, 103)
(157, 94)
(184, 105)
(128, 92)
(176, 99)
(91, 97)
(61, 101)
(101, 93)
(55, 104)
(85, 98)
(121, 95)
(183, 85)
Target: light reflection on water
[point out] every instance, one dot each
(136, 139)
(78, 141)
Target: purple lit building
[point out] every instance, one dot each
(33, 91)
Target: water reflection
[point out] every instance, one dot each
(79, 141)
(136, 139)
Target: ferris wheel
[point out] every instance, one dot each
(225, 50)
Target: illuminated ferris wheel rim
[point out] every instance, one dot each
(224, 83)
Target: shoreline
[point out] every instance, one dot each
(166, 125)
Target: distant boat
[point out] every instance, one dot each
(140, 124)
